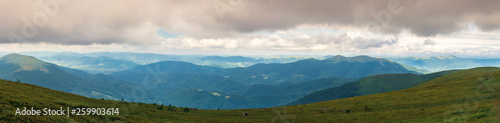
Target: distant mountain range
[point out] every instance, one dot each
(440, 63)
(257, 86)
(269, 74)
(311, 69)
(27, 69)
(109, 62)
(419, 64)
(240, 61)
(232, 82)
(140, 58)
(187, 84)
(93, 65)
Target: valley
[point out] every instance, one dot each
(180, 83)
(296, 88)
(466, 95)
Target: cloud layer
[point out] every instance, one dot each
(137, 22)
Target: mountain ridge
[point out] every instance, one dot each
(26, 63)
(159, 82)
(61, 78)
(370, 85)
(444, 99)
(280, 79)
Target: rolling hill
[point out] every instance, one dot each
(296, 88)
(231, 95)
(369, 85)
(168, 81)
(278, 73)
(312, 69)
(257, 86)
(30, 70)
(463, 96)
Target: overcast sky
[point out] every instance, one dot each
(254, 27)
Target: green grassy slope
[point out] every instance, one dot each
(369, 85)
(465, 96)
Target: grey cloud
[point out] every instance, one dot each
(363, 43)
(489, 21)
(92, 21)
(338, 42)
(429, 42)
(136, 21)
(346, 41)
(422, 17)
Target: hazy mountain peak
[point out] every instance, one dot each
(445, 57)
(70, 54)
(434, 57)
(337, 58)
(228, 58)
(18, 58)
(26, 63)
(361, 58)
